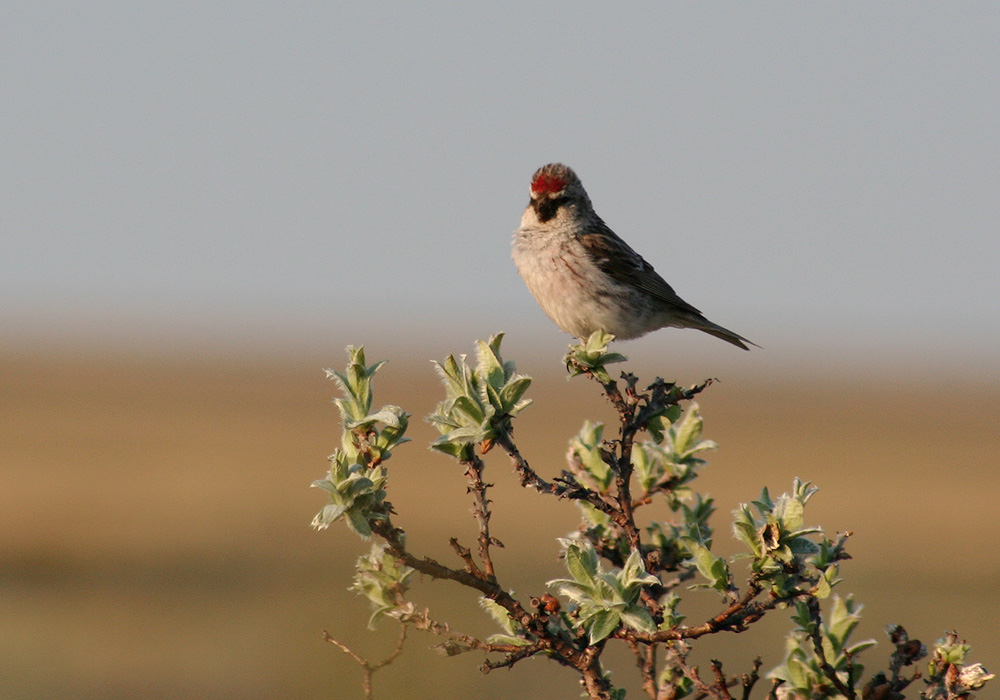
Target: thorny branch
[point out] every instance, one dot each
(735, 618)
(535, 623)
(481, 511)
(456, 641)
(565, 486)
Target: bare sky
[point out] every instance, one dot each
(812, 175)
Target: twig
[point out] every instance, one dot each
(734, 618)
(423, 621)
(623, 478)
(535, 624)
(721, 685)
(397, 547)
(750, 680)
(512, 658)
(692, 673)
(481, 511)
(367, 667)
(816, 634)
(564, 487)
(645, 659)
(908, 652)
(465, 554)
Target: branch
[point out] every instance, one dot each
(632, 419)
(534, 623)
(423, 621)
(748, 681)
(465, 554)
(721, 685)
(473, 579)
(481, 511)
(367, 667)
(816, 634)
(734, 618)
(645, 659)
(719, 688)
(566, 486)
(623, 464)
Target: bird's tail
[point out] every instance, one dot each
(726, 334)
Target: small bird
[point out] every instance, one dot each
(585, 277)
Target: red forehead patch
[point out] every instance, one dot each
(547, 184)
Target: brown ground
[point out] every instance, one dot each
(156, 542)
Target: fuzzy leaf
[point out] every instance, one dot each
(582, 564)
(638, 618)
(601, 624)
(499, 615)
(689, 431)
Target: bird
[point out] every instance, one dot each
(585, 277)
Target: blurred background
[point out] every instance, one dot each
(201, 205)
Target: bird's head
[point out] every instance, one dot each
(554, 187)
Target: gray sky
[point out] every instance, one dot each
(814, 176)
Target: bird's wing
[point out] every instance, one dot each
(615, 258)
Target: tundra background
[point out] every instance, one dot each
(156, 512)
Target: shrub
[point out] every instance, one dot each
(624, 582)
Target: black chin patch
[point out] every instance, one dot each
(546, 209)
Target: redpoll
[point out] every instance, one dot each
(585, 277)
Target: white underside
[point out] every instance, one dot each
(574, 292)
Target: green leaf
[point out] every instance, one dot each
(499, 615)
(359, 523)
(689, 431)
(453, 376)
(791, 513)
(509, 640)
(710, 566)
(638, 618)
(512, 392)
(391, 416)
(634, 574)
(328, 515)
(489, 364)
(823, 588)
(593, 355)
(578, 593)
(582, 563)
(844, 617)
(764, 503)
(460, 450)
(586, 447)
(601, 624)
(596, 518)
(378, 613)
